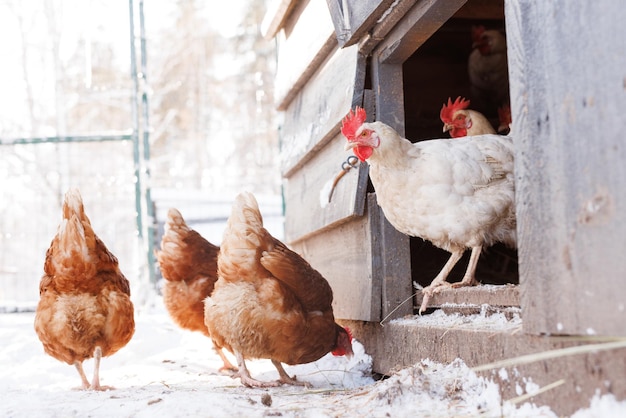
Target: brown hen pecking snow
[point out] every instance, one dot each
(268, 302)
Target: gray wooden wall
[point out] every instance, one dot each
(567, 61)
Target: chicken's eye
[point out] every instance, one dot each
(363, 133)
(459, 117)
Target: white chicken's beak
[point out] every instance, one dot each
(447, 127)
(350, 145)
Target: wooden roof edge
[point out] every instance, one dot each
(277, 13)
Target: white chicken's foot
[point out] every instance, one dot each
(470, 274)
(430, 290)
(440, 280)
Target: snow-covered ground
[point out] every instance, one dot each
(168, 372)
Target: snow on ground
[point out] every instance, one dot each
(168, 372)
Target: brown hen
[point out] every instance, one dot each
(84, 309)
(268, 301)
(188, 263)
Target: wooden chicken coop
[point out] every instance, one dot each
(401, 60)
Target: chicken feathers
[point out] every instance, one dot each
(84, 309)
(188, 263)
(268, 302)
(457, 193)
(488, 68)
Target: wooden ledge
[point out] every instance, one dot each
(493, 295)
(479, 340)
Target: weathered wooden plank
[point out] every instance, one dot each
(306, 193)
(481, 9)
(314, 117)
(417, 25)
(496, 295)
(387, 80)
(343, 256)
(302, 50)
(391, 262)
(384, 25)
(277, 13)
(353, 18)
(567, 89)
(405, 343)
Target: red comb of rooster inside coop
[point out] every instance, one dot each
(477, 32)
(447, 111)
(352, 122)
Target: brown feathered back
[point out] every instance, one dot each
(188, 263)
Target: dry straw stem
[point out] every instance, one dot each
(527, 396)
(551, 354)
(396, 308)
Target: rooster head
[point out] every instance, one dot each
(480, 40)
(454, 117)
(488, 41)
(361, 140)
(477, 33)
(343, 345)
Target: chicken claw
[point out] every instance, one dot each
(285, 378)
(428, 291)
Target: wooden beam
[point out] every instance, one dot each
(357, 18)
(417, 25)
(567, 92)
(405, 343)
(274, 19)
(314, 117)
(385, 24)
(496, 295)
(305, 213)
(481, 10)
(391, 263)
(305, 45)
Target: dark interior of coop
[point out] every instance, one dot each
(436, 71)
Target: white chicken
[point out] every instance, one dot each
(457, 193)
(488, 68)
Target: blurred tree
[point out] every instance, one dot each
(179, 73)
(212, 105)
(256, 145)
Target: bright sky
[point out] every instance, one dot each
(78, 21)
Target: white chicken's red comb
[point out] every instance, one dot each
(447, 111)
(352, 122)
(477, 32)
